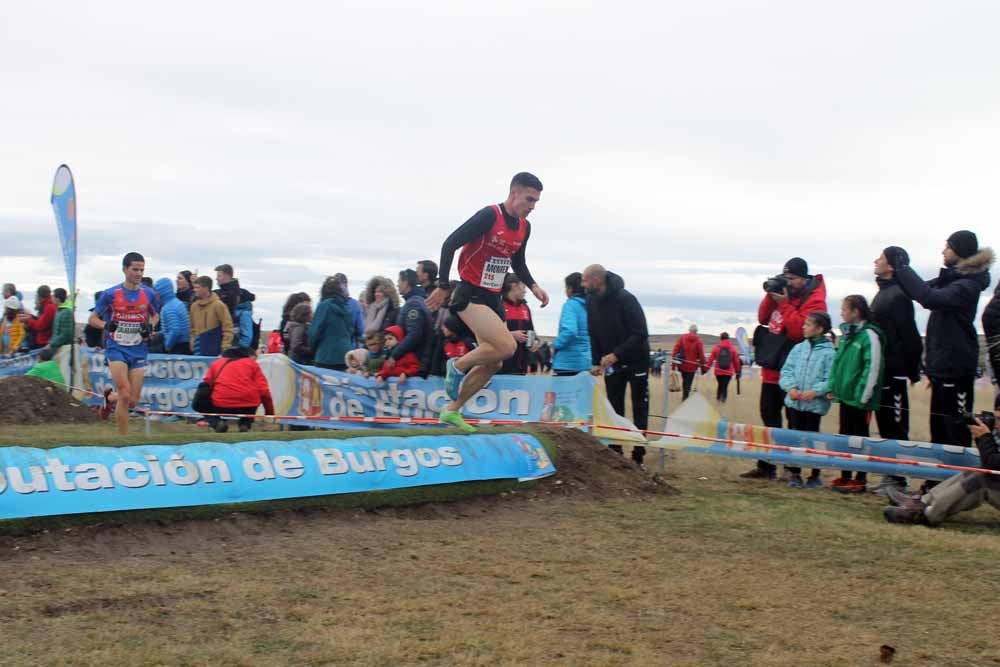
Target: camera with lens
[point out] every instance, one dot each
(775, 284)
(988, 418)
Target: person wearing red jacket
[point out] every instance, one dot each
(726, 360)
(238, 387)
(689, 357)
(40, 325)
(781, 314)
(406, 366)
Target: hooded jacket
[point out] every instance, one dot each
(689, 354)
(63, 327)
(953, 299)
(331, 331)
(41, 325)
(572, 345)
(211, 327)
(175, 322)
(807, 368)
(856, 374)
(892, 312)
(782, 324)
(734, 363)
(617, 324)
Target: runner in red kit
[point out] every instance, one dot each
(492, 242)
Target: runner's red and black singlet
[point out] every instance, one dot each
(485, 261)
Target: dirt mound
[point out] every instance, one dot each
(32, 400)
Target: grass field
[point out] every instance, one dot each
(727, 573)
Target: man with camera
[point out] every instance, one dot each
(789, 298)
(961, 492)
(952, 345)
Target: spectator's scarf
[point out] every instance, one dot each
(375, 315)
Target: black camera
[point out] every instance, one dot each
(988, 418)
(776, 284)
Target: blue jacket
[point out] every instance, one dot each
(243, 322)
(572, 345)
(418, 327)
(330, 331)
(358, 316)
(175, 322)
(808, 367)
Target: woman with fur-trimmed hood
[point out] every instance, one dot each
(381, 304)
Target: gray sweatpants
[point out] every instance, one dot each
(960, 493)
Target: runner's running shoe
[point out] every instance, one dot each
(452, 380)
(456, 419)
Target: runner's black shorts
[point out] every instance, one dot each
(467, 293)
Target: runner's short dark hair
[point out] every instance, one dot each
(225, 268)
(132, 257)
(525, 180)
(204, 281)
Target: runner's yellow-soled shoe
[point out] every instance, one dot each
(455, 419)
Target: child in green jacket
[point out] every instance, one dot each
(856, 379)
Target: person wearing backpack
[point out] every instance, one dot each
(727, 364)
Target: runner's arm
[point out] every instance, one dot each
(475, 227)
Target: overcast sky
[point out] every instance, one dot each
(690, 147)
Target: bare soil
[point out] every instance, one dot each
(32, 400)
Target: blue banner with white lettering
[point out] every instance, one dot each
(75, 480)
(64, 207)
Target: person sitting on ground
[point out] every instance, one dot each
(298, 334)
(357, 361)
(375, 344)
(39, 327)
(63, 328)
(689, 358)
(959, 493)
(175, 320)
(47, 368)
(405, 366)
(211, 324)
(726, 360)
(804, 379)
(238, 387)
(856, 379)
(11, 327)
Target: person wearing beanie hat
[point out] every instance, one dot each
(952, 357)
(405, 366)
(892, 312)
(781, 316)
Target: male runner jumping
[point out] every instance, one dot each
(127, 312)
(492, 242)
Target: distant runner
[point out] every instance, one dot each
(127, 313)
(492, 243)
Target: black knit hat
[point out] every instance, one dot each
(964, 243)
(796, 266)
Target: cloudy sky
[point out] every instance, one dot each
(690, 147)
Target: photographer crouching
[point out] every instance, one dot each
(962, 492)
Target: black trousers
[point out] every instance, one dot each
(772, 400)
(854, 421)
(949, 400)
(722, 392)
(615, 385)
(893, 416)
(800, 420)
(687, 379)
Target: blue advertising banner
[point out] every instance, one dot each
(64, 206)
(74, 480)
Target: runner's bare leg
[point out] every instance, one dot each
(495, 345)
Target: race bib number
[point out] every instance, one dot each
(128, 334)
(494, 271)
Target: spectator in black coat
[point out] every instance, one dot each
(619, 345)
(952, 344)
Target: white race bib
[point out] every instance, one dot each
(494, 271)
